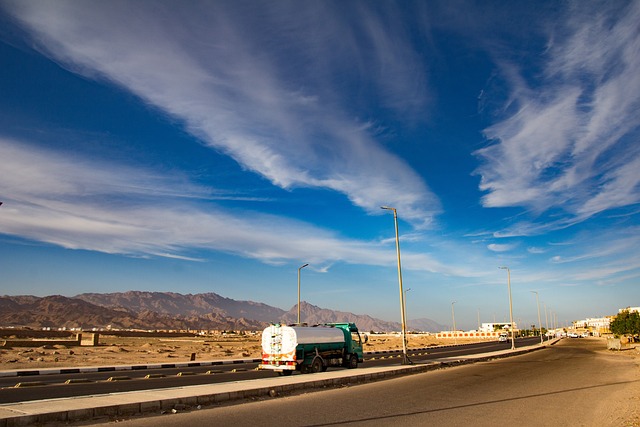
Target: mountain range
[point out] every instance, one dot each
(171, 311)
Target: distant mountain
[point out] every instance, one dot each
(171, 311)
(58, 311)
(174, 304)
(313, 315)
(425, 325)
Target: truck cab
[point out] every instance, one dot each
(353, 341)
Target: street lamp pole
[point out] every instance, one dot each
(513, 339)
(405, 359)
(405, 309)
(453, 315)
(539, 320)
(300, 268)
(546, 319)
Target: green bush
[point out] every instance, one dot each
(626, 323)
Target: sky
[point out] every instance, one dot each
(218, 146)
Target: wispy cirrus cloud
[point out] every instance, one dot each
(76, 203)
(495, 247)
(570, 143)
(277, 107)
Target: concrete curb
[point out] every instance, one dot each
(67, 410)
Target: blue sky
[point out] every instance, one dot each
(218, 146)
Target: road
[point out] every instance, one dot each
(574, 383)
(83, 384)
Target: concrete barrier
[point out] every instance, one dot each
(90, 340)
(614, 344)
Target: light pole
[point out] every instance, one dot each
(539, 320)
(405, 309)
(405, 359)
(405, 300)
(513, 339)
(453, 316)
(546, 319)
(300, 268)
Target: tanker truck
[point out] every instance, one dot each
(310, 349)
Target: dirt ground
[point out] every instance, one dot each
(114, 350)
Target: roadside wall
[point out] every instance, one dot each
(460, 334)
(89, 340)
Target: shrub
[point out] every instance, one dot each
(626, 323)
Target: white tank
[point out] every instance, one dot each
(283, 340)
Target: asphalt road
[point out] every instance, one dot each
(573, 383)
(83, 384)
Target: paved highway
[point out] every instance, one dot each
(573, 383)
(83, 384)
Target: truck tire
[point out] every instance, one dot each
(353, 361)
(316, 365)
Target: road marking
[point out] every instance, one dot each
(118, 378)
(77, 381)
(154, 376)
(30, 384)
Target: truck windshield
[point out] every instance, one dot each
(355, 337)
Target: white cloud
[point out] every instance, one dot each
(68, 201)
(500, 247)
(212, 67)
(571, 144)
(535, 250)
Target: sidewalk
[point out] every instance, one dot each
(73, 409)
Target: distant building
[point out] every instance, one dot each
(491, 327)
(596, 325)
(629, 309)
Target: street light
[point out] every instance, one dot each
(546, 320)
(405, 309)
(299, 291)
(405, 300)
(539, 320)
(453, 315)
(405, 359)
(513, 339)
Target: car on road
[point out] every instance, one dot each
(503, 337)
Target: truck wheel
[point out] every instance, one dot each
(353, 361)
(286, 373)
(316, 365)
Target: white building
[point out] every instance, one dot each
(491, 327)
